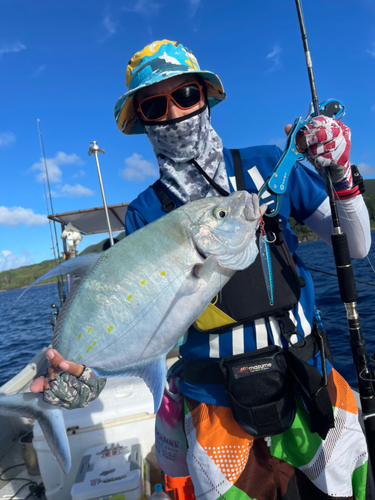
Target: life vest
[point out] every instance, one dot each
(244, 298)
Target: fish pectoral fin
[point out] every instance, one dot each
(154, 375)
(50, 419)
(206, 270)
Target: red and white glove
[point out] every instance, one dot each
(328, 146)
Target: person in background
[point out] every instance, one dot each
(290, 438)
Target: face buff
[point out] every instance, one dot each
(176, 144)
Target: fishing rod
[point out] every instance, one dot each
(55, 245)
(347, 287)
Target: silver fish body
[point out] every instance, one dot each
(143, 293)
(132, 303)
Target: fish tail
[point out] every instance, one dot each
(50, 419)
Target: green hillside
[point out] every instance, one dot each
(24, 276)
(370, 186)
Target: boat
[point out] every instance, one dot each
(123, 411)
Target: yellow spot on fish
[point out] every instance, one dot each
(143, 282)
(79, 359)
(94, 343)
(129, 297)
(89, 330)
(79, 335)
(89, 348)
(162, 273)
(110, 328)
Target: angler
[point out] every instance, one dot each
(290, 431)
(135, 301)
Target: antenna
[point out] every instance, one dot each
(56, 244)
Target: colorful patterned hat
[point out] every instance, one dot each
(158, 61)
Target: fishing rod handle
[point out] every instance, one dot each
(348, 290)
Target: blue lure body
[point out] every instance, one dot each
(265, 258)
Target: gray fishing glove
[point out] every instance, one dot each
(73, 392)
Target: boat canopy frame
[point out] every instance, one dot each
(93, 220)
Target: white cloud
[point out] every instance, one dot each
(14, 216)
(53, 164)
(137, 169)
(39, 71)
(7, 139)
(371, 51)
(80, 173)
(109, 25)
(194, 5)
(144, 7)
(274, 57)
(76, 191)
(8, 260)
(366, 169)
(15, 47)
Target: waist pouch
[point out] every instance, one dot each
(258, 391)
(260, 384)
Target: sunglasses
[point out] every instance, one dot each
(185, 97)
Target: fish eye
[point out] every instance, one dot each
(220, 213)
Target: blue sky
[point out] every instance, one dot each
(65, 62)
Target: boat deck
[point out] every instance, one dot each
(15, 478)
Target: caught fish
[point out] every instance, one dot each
(132, 303)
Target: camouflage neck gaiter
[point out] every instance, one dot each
(176, 144)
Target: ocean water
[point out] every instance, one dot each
(25, 329)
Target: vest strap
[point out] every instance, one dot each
(166, 201)
(238, 170)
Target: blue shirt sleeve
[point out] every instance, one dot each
(306, 192)
(133, 220)
(145, 209)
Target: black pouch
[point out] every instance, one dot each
(259, 392)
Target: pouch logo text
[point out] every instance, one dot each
(242, 371)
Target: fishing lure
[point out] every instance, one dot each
(265, 258)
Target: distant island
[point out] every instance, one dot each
(24, 276)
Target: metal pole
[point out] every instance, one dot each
(95, 149)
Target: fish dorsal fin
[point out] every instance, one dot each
(79, 266)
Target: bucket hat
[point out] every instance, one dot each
(156, 62)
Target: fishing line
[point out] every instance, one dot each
(335, 275)
(364, 378)
(55, 245)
